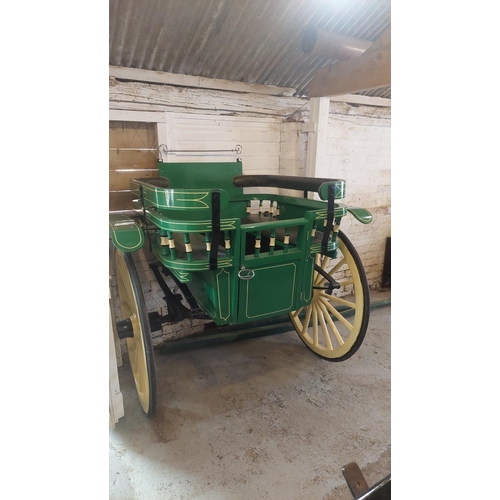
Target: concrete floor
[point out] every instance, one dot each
(257, 419)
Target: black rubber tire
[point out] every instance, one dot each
(146, 337)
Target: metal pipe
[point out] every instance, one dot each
(324, 43)
(163, 150)
(132, 149)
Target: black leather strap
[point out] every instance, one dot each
(329, 219)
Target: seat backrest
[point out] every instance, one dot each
(203, 175)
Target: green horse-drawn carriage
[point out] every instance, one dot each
(239, 258)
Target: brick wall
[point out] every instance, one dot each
(359, 150)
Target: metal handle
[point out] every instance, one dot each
(163, 150)
(246, 274)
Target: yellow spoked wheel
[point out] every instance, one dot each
(140, 346)
(334, 326)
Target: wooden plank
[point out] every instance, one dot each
(120, 201)
(136, 116)
(162, 131)
(192, 109)
(370, 71)
(316, 145)
(143, 75)
(119, 181)
(166, 134)
(123, 134)
(362, 99)
(240, 120)
(228, 123)
(131, 159)
(146, 97)
(382, 42)
(202, 132)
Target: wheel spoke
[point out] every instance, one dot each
(326, 334)
(318, 278)
(297, 312)
(336, 314)
(306, 320)
(338, 299)
(346, 282)
(325, 262)
(315, 325)
(335, 331)
(335, 268)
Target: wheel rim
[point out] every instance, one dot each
(333, 326)
(139, 346)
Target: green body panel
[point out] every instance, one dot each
(306, 285)
(179, 223)
(258, 300)
(274, 289)
(177, 199)
(183, 224)
(125, 234)
(208, 175)
(215, 292)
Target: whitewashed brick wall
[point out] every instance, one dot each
(359, 150)
(293, 153)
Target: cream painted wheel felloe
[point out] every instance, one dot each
(333, 326)
(139, 347)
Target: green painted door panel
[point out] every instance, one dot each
(270, 292)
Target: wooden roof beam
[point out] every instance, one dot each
(149, 76)
(371, 70)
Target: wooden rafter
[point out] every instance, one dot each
(371, 70)
(144, 75)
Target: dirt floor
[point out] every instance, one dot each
(256, 419)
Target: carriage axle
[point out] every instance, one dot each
(125, 328)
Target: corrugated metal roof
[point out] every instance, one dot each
(255, 41)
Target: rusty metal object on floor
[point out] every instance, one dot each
(359, 487)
